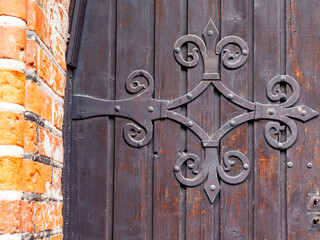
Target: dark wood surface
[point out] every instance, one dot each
(121, 192)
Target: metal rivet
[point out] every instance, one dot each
(280, 145)
(210, 32)
(246, 166)
(212, 187)
(245, 52)
(176, 168)
(117, 108)
(177, 50)
(283, 78)
(139, 144)
(303, 113)
(150, 109)
(190, 124)
(189, 95)
(230, 96)
(271, 111)
(309, 165)
(232, 123)
(290, 164)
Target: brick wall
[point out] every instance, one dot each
(33, 34)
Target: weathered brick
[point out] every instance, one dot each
(13, 43)
(26, 222)
(32, 55)
(48, 216)
(58, 237)
(14, 8)
(50, 145)
(58, 115)
(35, 176)
(11, 128)
(51, 74)
(10, 170)
(56, 182)
(30, 137)
(12, 86)
(9, 216)
(38, 101)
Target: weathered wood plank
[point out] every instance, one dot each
(303, 60)
(91, 198)
(132, 202)
(267, 33)
(202, 217)
(169, 26)
(236, 200)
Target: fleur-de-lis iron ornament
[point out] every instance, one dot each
(143, 110)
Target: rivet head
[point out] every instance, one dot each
(289, 164)
(190, 124)
(139, 144)
(212, 187)
(245, 52)
(303, 113)
(176, 168)
(189, 95)
(232, 123)
(117, 108)
(177, 50)
(283, 78)
(210, 32)
(280, 145)
(309, 165)
(246, 166)
(271, 111)
(230, 96)
(150, 109)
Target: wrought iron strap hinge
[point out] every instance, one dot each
(143, 110)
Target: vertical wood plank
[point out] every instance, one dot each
(202, 217)
(267, 31)
(91, 198)
(135, 46)
(169, 26)
(236, 200)
(303, 60)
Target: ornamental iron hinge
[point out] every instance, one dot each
(143, 110)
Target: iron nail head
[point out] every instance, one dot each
(303, 113)
(177, 50)
(176, 168)
(210, 32)
(309, 165)
(232, 123)
(189, 95)
(271, 111)
(150, 109)
(190, 124)
(283, 78)
(246, 166)
(245, 52)
(212, 187)
(290, 164)
(230, 96)
(117, 108)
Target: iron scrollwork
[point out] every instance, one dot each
(140, 84)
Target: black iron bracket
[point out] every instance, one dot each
(140, 84)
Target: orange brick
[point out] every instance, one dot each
(58, 237)
(50, 145)
(59, 51)
(58, 115)
(30, 137)
(10, 170)
(48, 216)
(12, 85)
(14, 8)
(11, 128)
(38, 101)
(35, 176)
(32, 55)
(13, 43)
(51, 74)
(26, 223)
(56, 181)
(37, 21)
(9, 216)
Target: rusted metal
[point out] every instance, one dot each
(142, 109)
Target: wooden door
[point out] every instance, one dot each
(193, 120)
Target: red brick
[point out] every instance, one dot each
(35, 176)
(58, 237)
(56, 181)
(10, 170)
(9, 216)
(11, 128)
(50, 145)
(12, 85)
(48, 216)
(13, 43)
(38, 101)
(14, 8)
(30, 137)
(27, 223)
(32, 55)
(58, 115)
